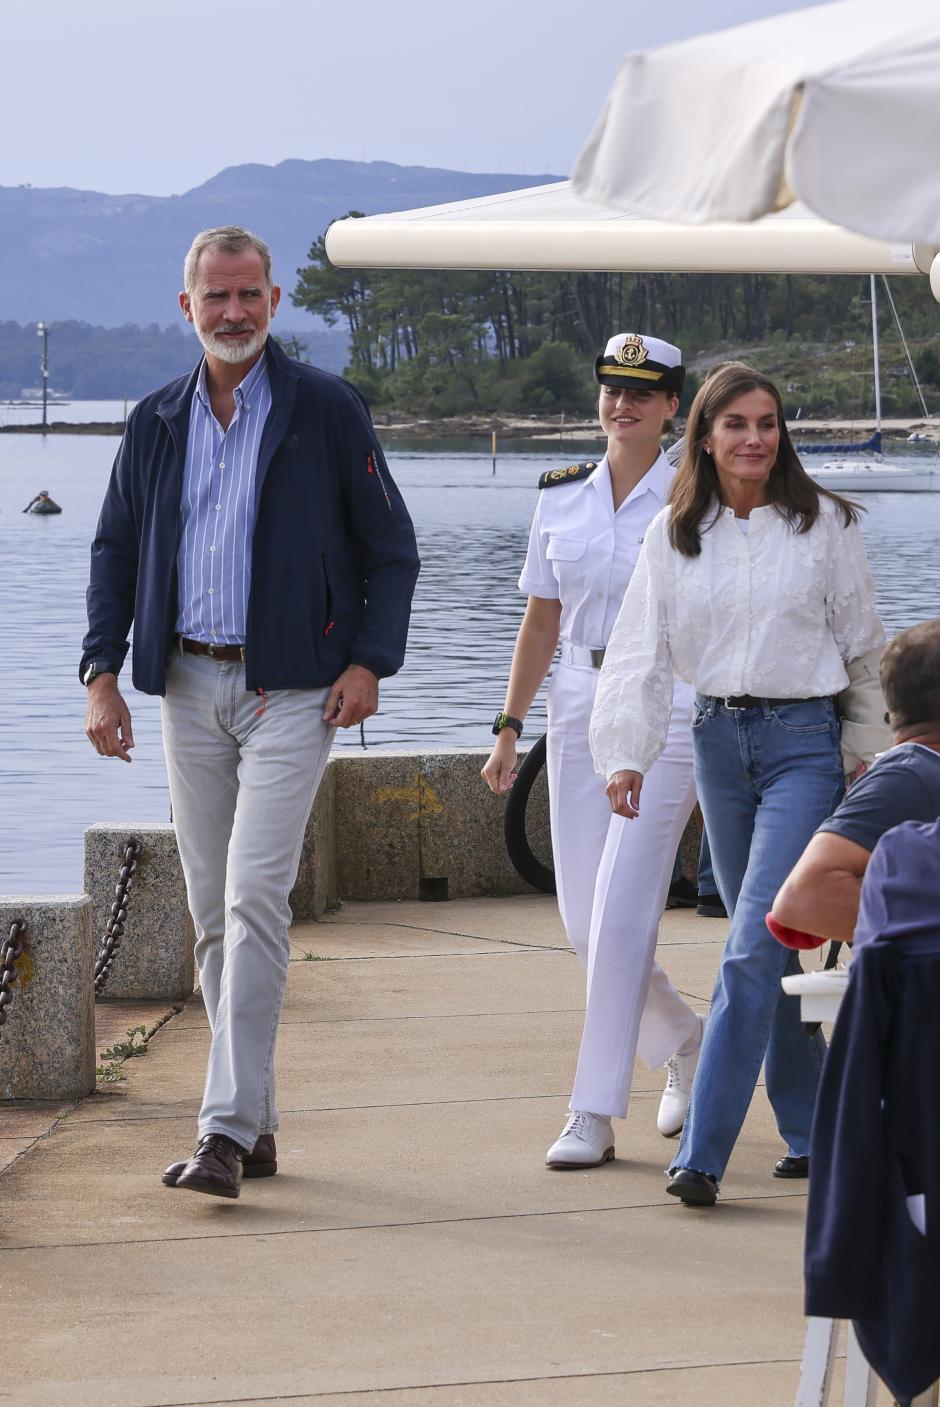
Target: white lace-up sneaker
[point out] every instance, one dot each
(674, 1105)
(586, 1141)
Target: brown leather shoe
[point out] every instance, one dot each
(215, 1168)
(260, 1162)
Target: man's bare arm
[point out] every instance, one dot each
(821, 893)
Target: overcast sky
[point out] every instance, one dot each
(156, 97)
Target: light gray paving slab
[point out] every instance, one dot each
(730, 1385)
(339, 1065)
(400, 1306)
(412, 1248)
(487, 983)
(439, 1162)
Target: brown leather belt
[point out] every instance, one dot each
(212, 652)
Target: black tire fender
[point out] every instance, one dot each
(526, 864)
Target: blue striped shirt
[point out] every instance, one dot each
(218, 511)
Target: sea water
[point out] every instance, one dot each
(472, 528)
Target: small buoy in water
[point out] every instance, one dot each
(42, 504)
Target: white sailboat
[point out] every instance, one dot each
(876, 475)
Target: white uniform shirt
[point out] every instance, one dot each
(771, 612)
(582, 553)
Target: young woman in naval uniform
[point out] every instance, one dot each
(611, 875)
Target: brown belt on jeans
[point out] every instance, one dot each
(212, 652)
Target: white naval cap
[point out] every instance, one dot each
(636, 359)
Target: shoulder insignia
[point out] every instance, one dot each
(571, 475)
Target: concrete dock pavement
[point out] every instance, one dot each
(413, 1250)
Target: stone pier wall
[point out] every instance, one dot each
(386, 824)
(385, 821)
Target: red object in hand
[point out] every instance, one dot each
(792, 937)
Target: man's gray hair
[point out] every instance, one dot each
(229, 239)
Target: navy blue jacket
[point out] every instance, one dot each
(876, 1132)
(334, 560)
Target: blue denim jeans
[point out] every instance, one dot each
(766, 778)
(706, 875)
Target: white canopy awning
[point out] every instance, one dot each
(550, 227)
(837, 105)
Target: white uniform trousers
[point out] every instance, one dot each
(612, 877)
(242, 781)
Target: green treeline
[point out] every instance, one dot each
(108, 363)
(439, 343)
(94, 363)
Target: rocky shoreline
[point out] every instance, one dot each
(67, 427)
(555, 428)
(551, 429)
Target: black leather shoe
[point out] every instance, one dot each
(682, 895)
(215, 1168)
(694, 1188)
(260, 1162)
(792, 1167)
(710, 906)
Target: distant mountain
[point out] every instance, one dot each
(115, 259)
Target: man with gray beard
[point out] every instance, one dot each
(253, 535)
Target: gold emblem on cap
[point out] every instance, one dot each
(632, 353)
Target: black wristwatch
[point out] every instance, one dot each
(94, 669)
(506, 720)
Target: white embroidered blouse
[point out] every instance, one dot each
(770, 612)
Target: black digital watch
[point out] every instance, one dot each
(506, 720)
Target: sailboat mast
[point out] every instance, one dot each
(874, 347)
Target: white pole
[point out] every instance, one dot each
(874, 348)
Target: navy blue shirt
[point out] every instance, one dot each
(903, 784)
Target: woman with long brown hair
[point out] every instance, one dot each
(753, 585)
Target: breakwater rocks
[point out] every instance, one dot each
(555, 429)
(67, 427)
(551, 429)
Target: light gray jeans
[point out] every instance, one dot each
(242, 782)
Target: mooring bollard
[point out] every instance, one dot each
(155, 958)
(47, 1042)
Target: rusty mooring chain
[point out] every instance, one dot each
(11, 950)
(115, 929)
